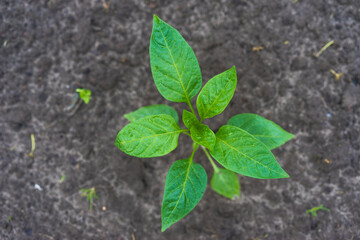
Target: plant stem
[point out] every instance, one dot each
(191, 108)
(195, 147)
(187, 134)
(216, 169)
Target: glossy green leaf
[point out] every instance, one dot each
(85, 94)
(271, 134)
(174, 66)
(240, 152)
(203, 135)
(185, 185)
(151, 136)
(216, 94)
(189, 119)
(152, 110)
(225, 183)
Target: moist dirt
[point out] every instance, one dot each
(48, 48)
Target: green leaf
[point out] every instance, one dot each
(203, 135)
(242, 153)
(200, 133)
(174, 66)
(216, 94)
(271, 134)
(85, 94)
(185, 185)
(151, 136)
(152, 110)
(225, 183)
(189, 119)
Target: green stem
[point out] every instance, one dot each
(195, 147)
(216, 169)
(191, 108)
(187, 134)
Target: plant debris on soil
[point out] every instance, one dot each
(50, 48)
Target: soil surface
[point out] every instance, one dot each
(49, 48)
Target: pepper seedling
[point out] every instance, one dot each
(241, 146)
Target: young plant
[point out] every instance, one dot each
(314, 210)
(90, 194)
(62, 179)
(85, 94)
(242, 146)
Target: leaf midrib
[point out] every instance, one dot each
(155, 135)
(230, 146)
(183, 189)
(267, 136)
(175, 66)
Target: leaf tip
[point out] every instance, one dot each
(285, 175)
(232, 69)
(291, 136)
(156, 18)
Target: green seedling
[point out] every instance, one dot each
(242, 146)
(85, 94)
(62, 179)
(90, 194)
(33, 145)
(314, 210)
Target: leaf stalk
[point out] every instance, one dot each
(195, 147)
(191, 108)
(216, 169)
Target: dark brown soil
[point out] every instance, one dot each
(49, 48)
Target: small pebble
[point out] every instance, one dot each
(37, 187)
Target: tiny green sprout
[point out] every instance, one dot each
(9, 218)
(314, 210)
(85, 94)
(242, 146)
(90, 194)
(62, 179)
